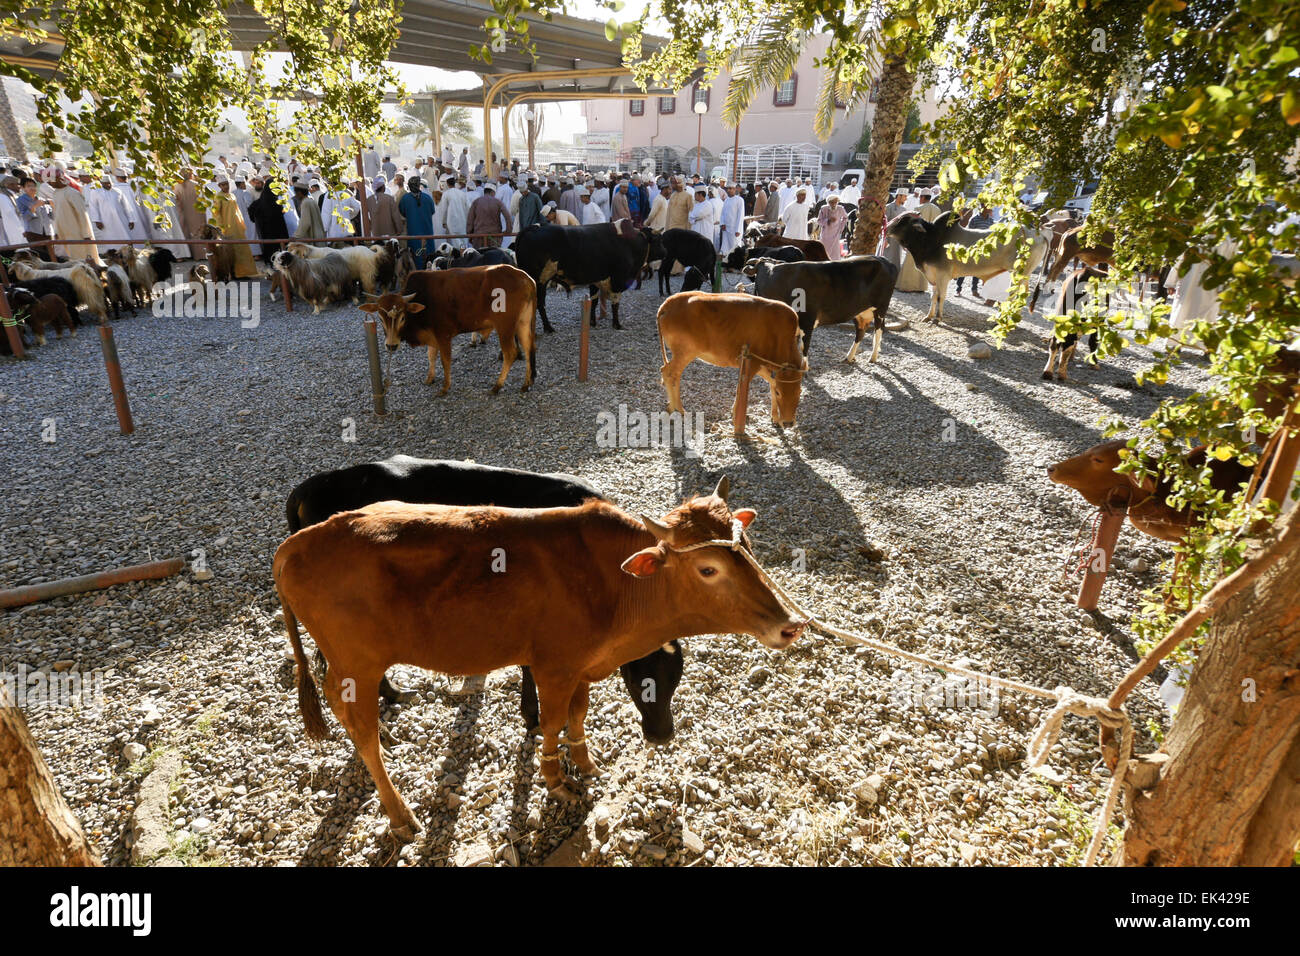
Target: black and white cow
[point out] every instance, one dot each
(857, 289)
(605, 257)
(468, 258)
(651, 680)
(928, 242)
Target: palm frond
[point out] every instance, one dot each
(766, 58)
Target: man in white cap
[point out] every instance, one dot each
(703, 217)
(11, 222)
(733, 219)
(108, 213)
(559, 217)
(591, 213)
(830, 225)
(787, 196)
(717, 196)
(137, 217)
(794, 217)
(310, 223)
(370, 162)
(569, 200)
(487, 215)
(244, 196)
(600, 194)
(448, 156)
(453, 212)
(71, 220)
(227, 217)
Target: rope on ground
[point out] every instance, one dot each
(1067, 700)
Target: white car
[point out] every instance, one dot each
(1082, 200)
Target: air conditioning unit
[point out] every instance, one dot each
(828, 158)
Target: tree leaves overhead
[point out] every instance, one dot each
(151, 79)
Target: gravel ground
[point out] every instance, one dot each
(910, 502)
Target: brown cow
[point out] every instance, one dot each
(1093, 475)
(1066, 248)
(572, 593)
(482, 299)
(714, 327)
(812, 249)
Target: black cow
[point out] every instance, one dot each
(690, 249)
(604, 256)
(470, 257)
(421, 481)
(739, 256)
(856, 289)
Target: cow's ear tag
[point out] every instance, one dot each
(745, 516)
(644, 563)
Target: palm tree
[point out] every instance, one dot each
(768, 56)
(417, 119)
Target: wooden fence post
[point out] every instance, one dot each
(1100, 551)
(115, 382)
(740, 411)
(376, 376)
(584, 340)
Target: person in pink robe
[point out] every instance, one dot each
(830, 225)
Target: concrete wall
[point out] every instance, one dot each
(765, 123)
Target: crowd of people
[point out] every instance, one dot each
(85, 211)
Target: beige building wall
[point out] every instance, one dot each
(766, 122)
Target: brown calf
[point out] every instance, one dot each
(435, 307)
(1092, 474)
(572, 593)
(812, 249)
(715, 327)
(43, 312)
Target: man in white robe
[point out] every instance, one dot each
(338, 213)
(108, 214)
(733, 219)
(453, 212)
(591, 212)
(794, 217)
(11, 223)
(703, 215)
(243, 196)
(786, 193)
(850, 195)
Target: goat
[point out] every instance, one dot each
(326, 279)
(1060, 351)
(82, 277)
(221, 259)
(362, 262)
(42, 312)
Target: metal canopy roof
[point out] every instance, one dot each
(433, 33)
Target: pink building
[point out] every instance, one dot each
(665, 128)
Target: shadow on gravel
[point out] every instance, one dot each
(323, 848)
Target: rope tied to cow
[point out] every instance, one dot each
(777, 366)
(1066, 699)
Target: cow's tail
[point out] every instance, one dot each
(659, 330)
(313, 720)
(291, 512)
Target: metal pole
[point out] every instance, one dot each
(532, 143)
(699, 144)
(115, 379)
(735, 156)
(361, 187)
(584, 340)
(376, 376)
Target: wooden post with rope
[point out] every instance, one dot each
(740, 411)
(376, 376)
(1100, 553)
(584, 340)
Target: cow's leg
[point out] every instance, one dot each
(444, 349)
(433, 373)
(579, 751)
(671, 376)
(860, 322)
(878, 321)
(806, 325)
(766, 374)
(527, 345)
(553, 695)
(541, 307)
(1053, 347)
(508, 353)
(528, 699)
(665, 274)
(613, 298)
(356, 706)
(1067, 353)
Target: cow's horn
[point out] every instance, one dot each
(657, 528)
(408, 298)
(724, 487)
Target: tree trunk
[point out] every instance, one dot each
(1229, 792)
(894, 95)
(36, 826)
(15, 145)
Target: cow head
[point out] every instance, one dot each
(393, 309)
(655, 251)
(651, 681)
(909, 230)
(1092, 474)
(713, 590)
(787, 386)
